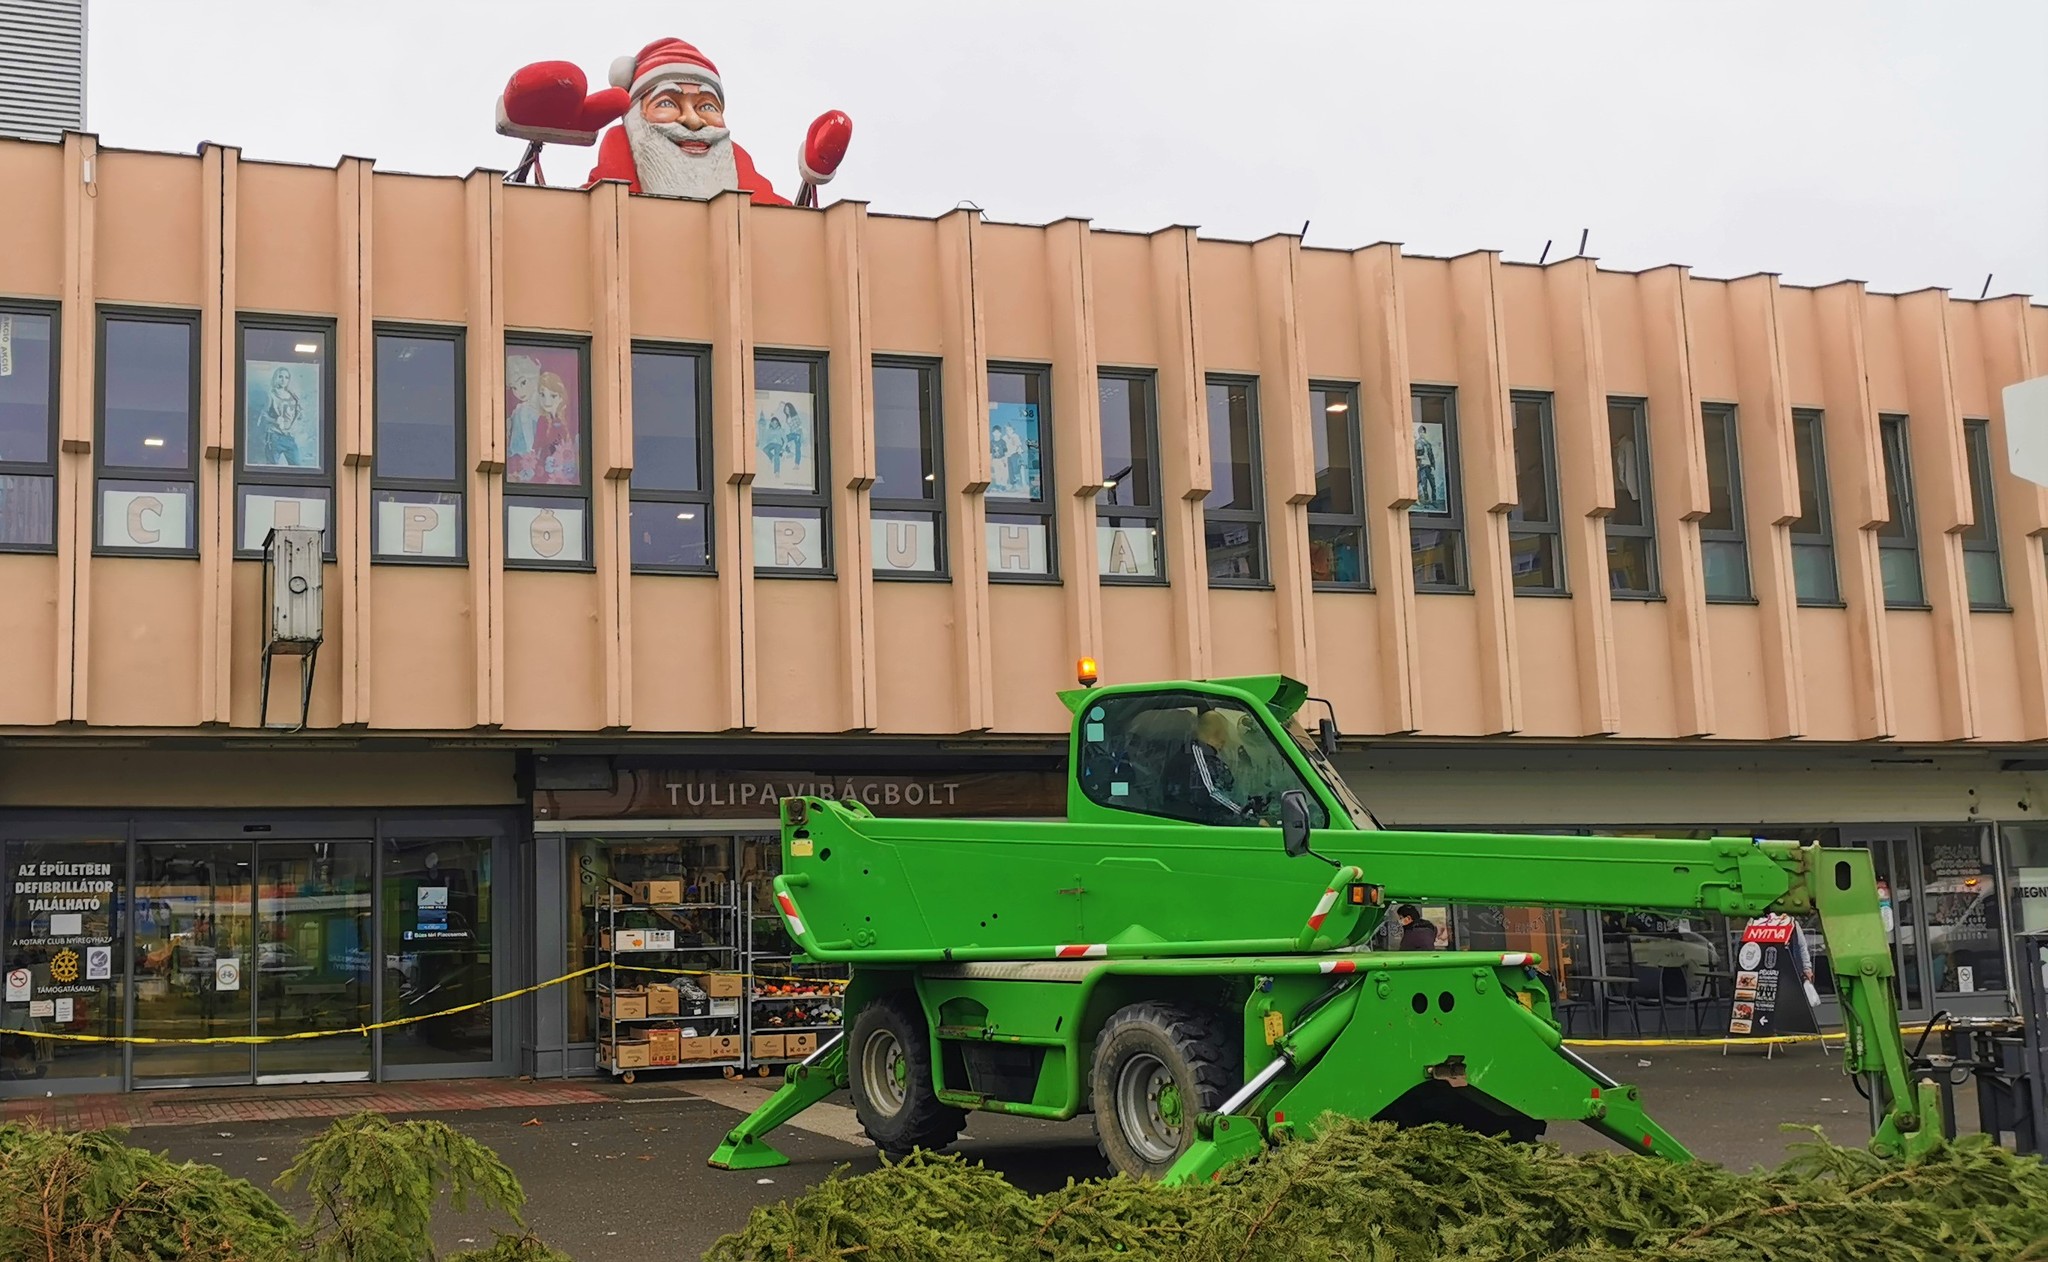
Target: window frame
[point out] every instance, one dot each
(260, 477)
(1354, 520)
(703, 498)
(1729, 415)
(458, 337)
(1255, 516)
(1451, 521)
(931, 383)
(47, 467)
(1645, 473)
(1155, 512)
(1045, 509)
(821, 499)
(1554, 527)
(1908, 540)
(1816, 420)
(580, 492)
(104, 472)
(1981, 471)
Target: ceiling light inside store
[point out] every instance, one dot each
(307, 348)
(152, 442)
(1339, 406)
(686, 516)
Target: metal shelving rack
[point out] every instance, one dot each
(708, 938)
(769, 954)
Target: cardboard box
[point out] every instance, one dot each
(768, 1047)
(657, 893)
(799, 1044)
(722, 985)
(623, 940)
(724, 1046)
(664, 1047)
(622, 1005)
(661, 939)
(663, 1001)
(689, 1049)
(625, 1054)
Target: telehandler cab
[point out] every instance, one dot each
(1183, 956)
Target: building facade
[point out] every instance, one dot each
(639, 512)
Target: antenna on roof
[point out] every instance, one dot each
(1987, 286)
(1304, 229)
(1582, 241)
(1543, 257)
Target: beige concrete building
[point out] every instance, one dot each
(636, 508)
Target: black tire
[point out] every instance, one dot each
(891, 1043)
(1156, 1066)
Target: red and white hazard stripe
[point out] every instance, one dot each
(796, 923)
(1090, 951)
(1337, 966)
(1514, 959)
(1323, 906)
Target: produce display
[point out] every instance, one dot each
(1370, 1192)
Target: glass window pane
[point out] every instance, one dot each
(1901, 570)
(437, 940)
(1127, 465)
(1336, 554)
(264, 508)
(1986, 583)
(1631, 469)
(24, 387)
(284, 399)
(1332, 420)
(419, 383)
(2028, 846)
(906, 543)
(790, 538)
(1230, 447)
(1629, 562)
(1898, 480)
(1984, 531)
(551, 530)
(666, 424)
(418, 525)
(63, 902)
(1127, 547)
(1438, 556)
(906, 464)
(543, 415)
(28, 511)
(1236, 551)
(1533, 561)
(1015, 443)
(1017, 545)
(1532, 463)
(146, 397)
(1432, 423)
(1813, 573)
(1809, 447)
(670, 536)
(1964, 926)
(786, 433)
(152, 515)
(1722, 471)
(1726, 563)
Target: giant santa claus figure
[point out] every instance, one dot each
(671, 137)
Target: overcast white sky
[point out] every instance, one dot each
(1901, 144)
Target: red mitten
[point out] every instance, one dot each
(545, 102)
(824, 147)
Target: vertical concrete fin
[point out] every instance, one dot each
(1486, 445)
(851, 417)
(1678, 481)
(1769, 478)
(1856, 498)
(1078, 408)
(1585, 478)
(1184, 445)
(1941, 484)
(78, 335)
(963, 395)
(1386, 433)
(354, 383)
(218, 371)
(484, 231)
(611, 449)
(1289, 444)
(732, 447)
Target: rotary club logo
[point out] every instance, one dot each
(64, 966)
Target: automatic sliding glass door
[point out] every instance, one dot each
(194, 936)
(314, 951)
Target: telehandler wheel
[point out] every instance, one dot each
(889, 1069)
(1156, 1066)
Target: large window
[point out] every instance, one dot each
(670, 503)
(1336, 516)
(1724, 551)
(792, 500)
(1019, 497)
(1436, 531)
(1980, 542)
(1631, 530)
(1204, 759)
(547, 453)
(148, 426)
(1813, 536)
(418, 477)
(1233, 523)
(28, 428)
(1898, 540)
(284, 454)
(908, 498)
(1127, 547)
(1533, 548)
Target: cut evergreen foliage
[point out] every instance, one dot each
(1373, 1193)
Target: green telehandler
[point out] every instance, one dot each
(1184, 956)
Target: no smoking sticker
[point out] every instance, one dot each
(18, 980)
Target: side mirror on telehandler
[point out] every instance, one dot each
(1294, 822)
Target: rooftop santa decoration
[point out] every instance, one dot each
(665, 110)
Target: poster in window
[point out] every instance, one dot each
(1014, 470)
(1432, 469)
(282, 427)
(785, 441)
(543, 416)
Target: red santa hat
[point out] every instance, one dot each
(662, 61)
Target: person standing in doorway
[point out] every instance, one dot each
(1417, 934)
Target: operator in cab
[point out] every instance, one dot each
(1200, 783)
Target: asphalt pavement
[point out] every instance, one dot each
(626, 1179)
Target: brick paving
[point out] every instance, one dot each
(198, 1105)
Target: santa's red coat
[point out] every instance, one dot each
(615, 162)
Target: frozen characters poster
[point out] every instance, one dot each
(785, 446)
(543, 416)
(1015, 472)
(1432, 469)
(282, 427)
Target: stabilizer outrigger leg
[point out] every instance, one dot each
(806, 1083)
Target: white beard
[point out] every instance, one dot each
(664, 168)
